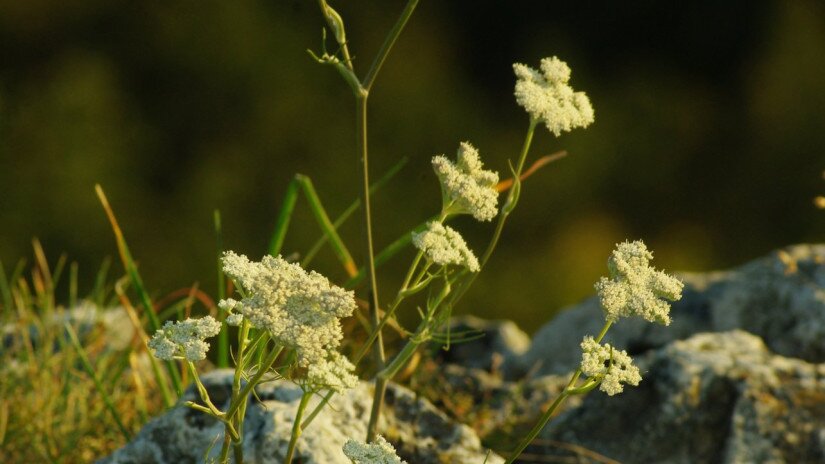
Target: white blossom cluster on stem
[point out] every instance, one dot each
(299, 309)
(184, 339)
(378, 452)
(444, 246)
(634, 288)
(611, 366)
(466, 187)
(547, 96)
(334, 373)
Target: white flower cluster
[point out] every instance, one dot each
(233, 318)
(612, 366)
(547, 96)
(635, 288)
(334, 373)
(379, 452)
(443, 246)
(299, 309)
(465, 186)
(184, 339)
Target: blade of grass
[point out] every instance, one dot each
(107, 400)
(351, 209)
(98, 292)
(160, 379)
(325, 224)
(385, 255)
(223, 336)
(5, 291)
(73, 284)
(137, 282)
(284, 215)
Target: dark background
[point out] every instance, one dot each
(708, 141)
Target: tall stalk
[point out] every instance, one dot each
(361, 89)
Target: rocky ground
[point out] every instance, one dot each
(739, 377)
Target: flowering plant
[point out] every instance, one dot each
(288, 319)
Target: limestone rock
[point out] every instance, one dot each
(713, 398)
(420, 432)
(780, 298)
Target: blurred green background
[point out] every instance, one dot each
(708, 141)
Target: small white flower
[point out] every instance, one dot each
(547, 96)
(466, 187)
(379, 452)
(635, 288)
(334, 373)
(184, 339)
(612, 366)
(444, 246)
(300, 309)
(230, 306)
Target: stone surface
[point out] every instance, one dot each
(491, 344)
(780, 298)
(420, 432)
(713, 398)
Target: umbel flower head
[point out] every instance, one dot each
(299, 309)
(444, 246)
(466, 188)
(635, 288)
(378, 452)
(184, 339)
(612, 366)
(547, 97)
(333, 373)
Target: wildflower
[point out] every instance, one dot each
(443, 246)
(229, 305)
(299, 309)
(547, 96)
(612, 366)
(184, 339)
(334, 373)
(635, 288)
(379, 452)
(465, 187)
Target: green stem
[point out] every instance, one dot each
(373, 335)
(224, 456)
(545, 418)
(361, 128)
(202, 390)
(507, 208)
(263, 368)
(296, 427)
(385, 375)
(237, 447)
(388, 43)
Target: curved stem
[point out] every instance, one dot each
(509, 205)
(568, 391)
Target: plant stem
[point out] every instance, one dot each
(262, 369)
(296, 427)
(545, 418)
(509, 205)
(388, 43)
(361, 129)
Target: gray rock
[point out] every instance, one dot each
(780, 297)
(492, 345)
(420, 432)
(713, 398)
